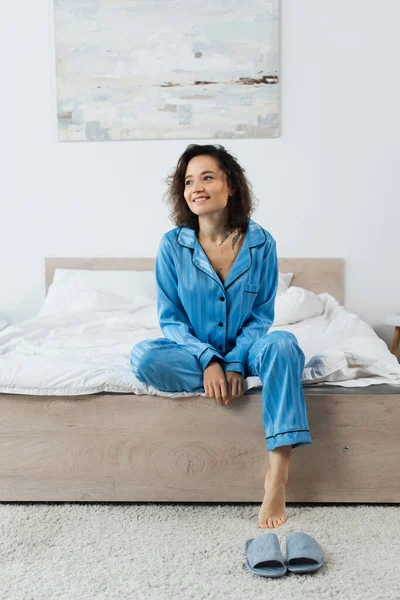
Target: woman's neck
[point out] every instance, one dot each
(218, 239)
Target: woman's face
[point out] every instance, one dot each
(204, 178)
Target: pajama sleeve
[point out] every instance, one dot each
(174, 322)
(262, 315)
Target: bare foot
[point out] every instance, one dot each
(272, 512)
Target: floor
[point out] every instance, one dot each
(159, 551)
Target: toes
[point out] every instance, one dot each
(265, 522)
(282, 519)
(274, 522)
(262, 523)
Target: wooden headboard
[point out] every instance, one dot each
(315, 274)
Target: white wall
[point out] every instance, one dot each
(328, 187)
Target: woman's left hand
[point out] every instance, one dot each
(235, 385)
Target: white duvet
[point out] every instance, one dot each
(87, 351)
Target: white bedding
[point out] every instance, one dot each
(87, 352)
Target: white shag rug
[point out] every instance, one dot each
(142, 551)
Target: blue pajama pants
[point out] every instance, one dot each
(276, 358)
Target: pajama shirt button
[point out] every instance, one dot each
(222, 299)
(221, 324)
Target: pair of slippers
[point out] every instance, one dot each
(264, 556)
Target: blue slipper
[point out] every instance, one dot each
(264, 556)
(303, 553)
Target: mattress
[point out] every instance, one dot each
(87, 352)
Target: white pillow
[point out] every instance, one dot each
(296, 304)
(125, 283)
(284, 282)
(75, 289)
(122, 281)
(80, 289)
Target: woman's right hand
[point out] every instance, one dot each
(215, 383)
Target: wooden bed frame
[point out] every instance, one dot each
(112, 447)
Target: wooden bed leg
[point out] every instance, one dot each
(396, 340)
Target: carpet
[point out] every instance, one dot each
(96, 551)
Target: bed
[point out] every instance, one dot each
(111, 446)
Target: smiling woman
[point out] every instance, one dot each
(217, 192)
(220, 170)
(207, 189)
(217, 279)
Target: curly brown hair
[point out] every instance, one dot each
(240, 206)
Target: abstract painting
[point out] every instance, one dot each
(167, 69)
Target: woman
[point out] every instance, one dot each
(217, 277)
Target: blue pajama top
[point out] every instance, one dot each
(209, 317)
